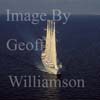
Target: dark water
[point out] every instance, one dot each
(78, 49)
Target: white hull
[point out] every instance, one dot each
(49, 69)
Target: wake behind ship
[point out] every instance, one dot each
(49, 55)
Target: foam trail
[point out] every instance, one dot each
(40, 67)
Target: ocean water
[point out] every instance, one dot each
(78, 47)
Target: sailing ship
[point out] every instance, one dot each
(49, 54)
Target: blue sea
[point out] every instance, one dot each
(78, 48)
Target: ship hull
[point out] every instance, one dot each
(50, 69)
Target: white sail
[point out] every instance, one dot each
(49, 56)
(47, 47)
(50, 49)
(53, 43)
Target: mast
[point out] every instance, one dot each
(47, 48)
(50, 48)
(54, 52)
